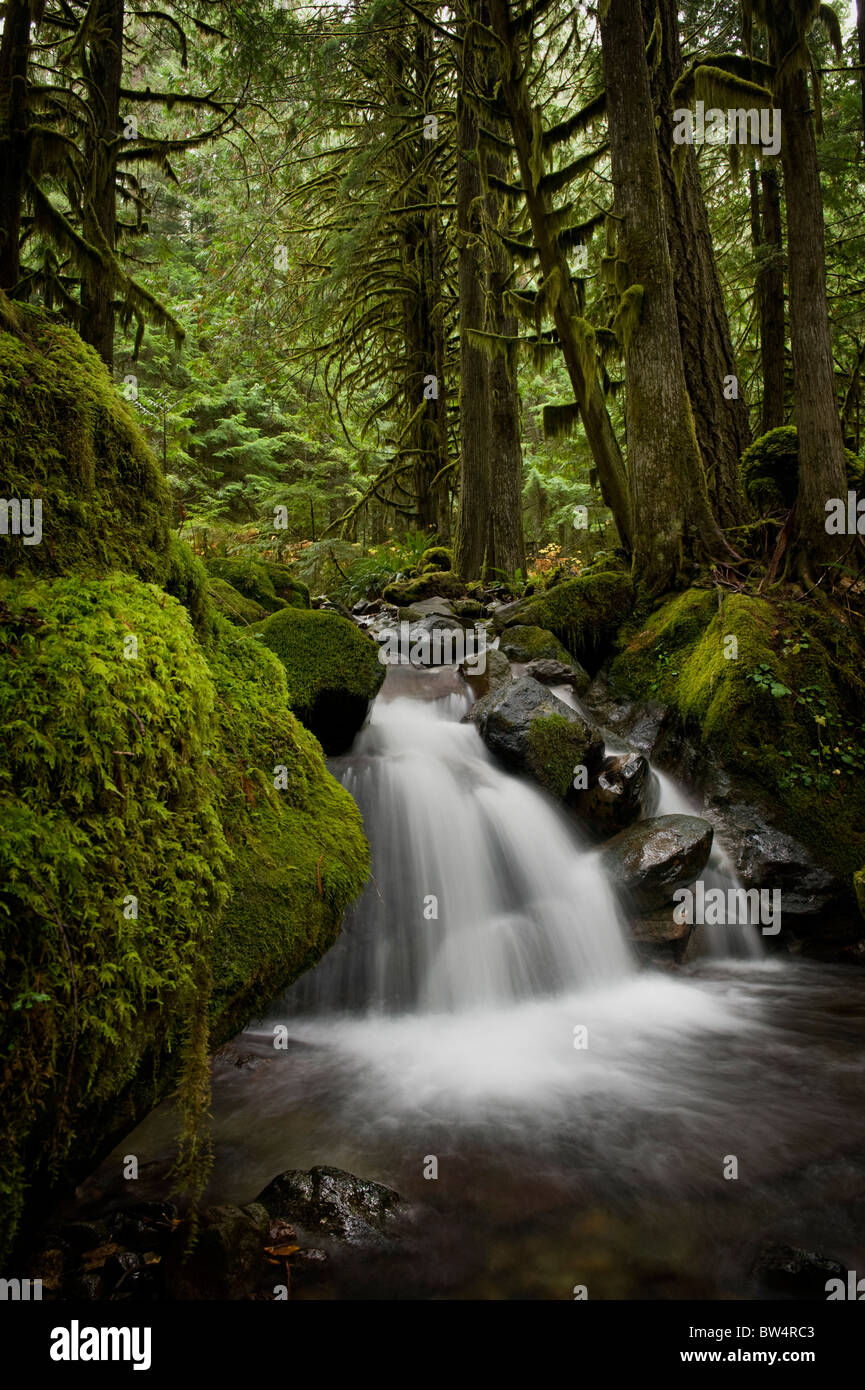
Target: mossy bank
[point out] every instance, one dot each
(174, 850)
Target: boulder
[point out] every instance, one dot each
(584, 613)
(790, 1270)
(333, 671)
(437, 583)
(533, 732)
(620, 796)
(494, 678)
(658, 937)
(650, 860)
(551, 672)
(520, 643)
(333, 1203)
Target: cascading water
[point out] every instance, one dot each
(481, 891)
(580, 1110)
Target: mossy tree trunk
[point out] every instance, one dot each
(554, 265)
(768, 244)
(673, 518)
(103, 67)
(489, 531)
(14, 124)
(721, 420)
(821, 445)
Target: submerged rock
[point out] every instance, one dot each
(333, 1203)
(533, 732)
(650, 860)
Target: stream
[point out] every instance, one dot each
(485, 1009)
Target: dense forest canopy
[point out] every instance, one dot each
(375, 272)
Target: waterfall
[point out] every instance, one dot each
(483, 890)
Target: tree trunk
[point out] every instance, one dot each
(673, 519)
(769, 284)
(474, 401)
(14, 124)
(505, 543)
(104, 71)
(721, 421)
(553, 261)
(821, 445)
(860, 38)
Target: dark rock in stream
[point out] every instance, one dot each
(332, 1202)
(622, 793)
(651, 859)
(550, 672)
(533, 732)
(226, 1262)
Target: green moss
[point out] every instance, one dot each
(300, 855)
(775, 713)
(270, 585)
(236, 607)
(106, 794)
(769, 470)
(67, 438)
(187, 581)
(556, 746)
(332, 670)
(859, 889)
(522, 643)
(584, 613)
(438, 583)
(437, 557)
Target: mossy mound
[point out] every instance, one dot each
(522, 643)
(112, 858)
(300, 855)
(69, 440)
(781, 707)
(584, 613)
(187, 581)
(332, 668)
(438, 583)
(769, 470)
(272, 586)
(437, 557)
(232, 605)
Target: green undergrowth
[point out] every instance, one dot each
(782, 707)
(271, 585)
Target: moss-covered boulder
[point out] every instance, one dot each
(770, 692)
(68, 441)
(272, 586)
(436, 557)
(533, 732)
(299, 852)
(332, 668)
(442, 583)
(585, 613)
(524, 643)
(769, 470)
(229, 603)
(112, 859)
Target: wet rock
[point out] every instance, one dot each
(533, 732)
(523, 643)
(503, 613)
(790, 1270)
(496, 676)
(468, 608)
(658, 937)
(88, 1285)
(228, 1257)
(144, 1226)
(650, 860)
(550, 672)
(441, 607)
(329, 605)
(309, 1266)
(332, 1202)
(621, 794)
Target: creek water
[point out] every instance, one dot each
(483, 1007)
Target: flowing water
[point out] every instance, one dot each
(483, 1008)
